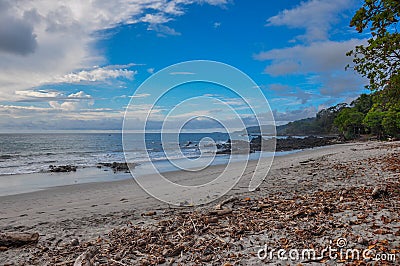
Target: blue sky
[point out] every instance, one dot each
(75, 65)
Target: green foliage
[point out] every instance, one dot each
(373, 120)
(391, 123)
(321, 124)
(389, 98)
(349, 121)
(363, 103)
(301, 127)
(379, 60)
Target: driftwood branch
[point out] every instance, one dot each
(220, 212)
(85, 257)
(231, 199)
(17, 239)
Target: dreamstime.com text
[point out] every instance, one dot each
(339, 253)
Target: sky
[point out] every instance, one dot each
(76, 65)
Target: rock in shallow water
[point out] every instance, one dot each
(62, 168)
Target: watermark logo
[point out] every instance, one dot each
(197, 95)
(340, 252)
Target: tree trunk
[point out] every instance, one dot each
(17, 239)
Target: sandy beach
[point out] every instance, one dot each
(308, 198)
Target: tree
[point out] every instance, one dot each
(373, 120)
(325, 118)
(363, 103)
(391, 123)
(379, 60)
(350, 122)
(389, 98)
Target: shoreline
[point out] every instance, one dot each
(39, 181)
(88, 211)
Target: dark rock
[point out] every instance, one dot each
(188, 144)
(62, 168)
(379, 192)
(292, 143)
(234, 147)
(118, 167)
(260, 144)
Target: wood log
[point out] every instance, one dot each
(231, 199)
(85, 258)
(18, 239)
(220, 212)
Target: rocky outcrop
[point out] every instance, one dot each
(260, 144)
(234, 147)
(118, 167)
(291, 143)
(62, 168)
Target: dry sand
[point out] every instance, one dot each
(86, 211)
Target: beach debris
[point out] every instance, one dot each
(220, 212)
(18, 239)
(173, 252)
(85, 258)
(231, 199)
(379, 192)
(74, 242)
(62, 168)
(150, 213)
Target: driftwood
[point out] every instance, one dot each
(85, 257)
(220, 212)
(17, 239)
(231, 199)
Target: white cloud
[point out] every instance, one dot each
(41, 41)
(39, 94)
(74, 102)
(315, 16)
(140, 95)
(324, 60)
(97, 74)
(45, 96)
(80, 95)
(215, 2)
(15, 117)
(163, 30)
(304, 59)
(301, 96)
(292, 115)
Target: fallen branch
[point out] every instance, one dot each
(231, 199)
(221, 212)
(194, 226)
(85, 257)
(18, 239)
(118, 262)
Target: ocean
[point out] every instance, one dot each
(32, 153)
